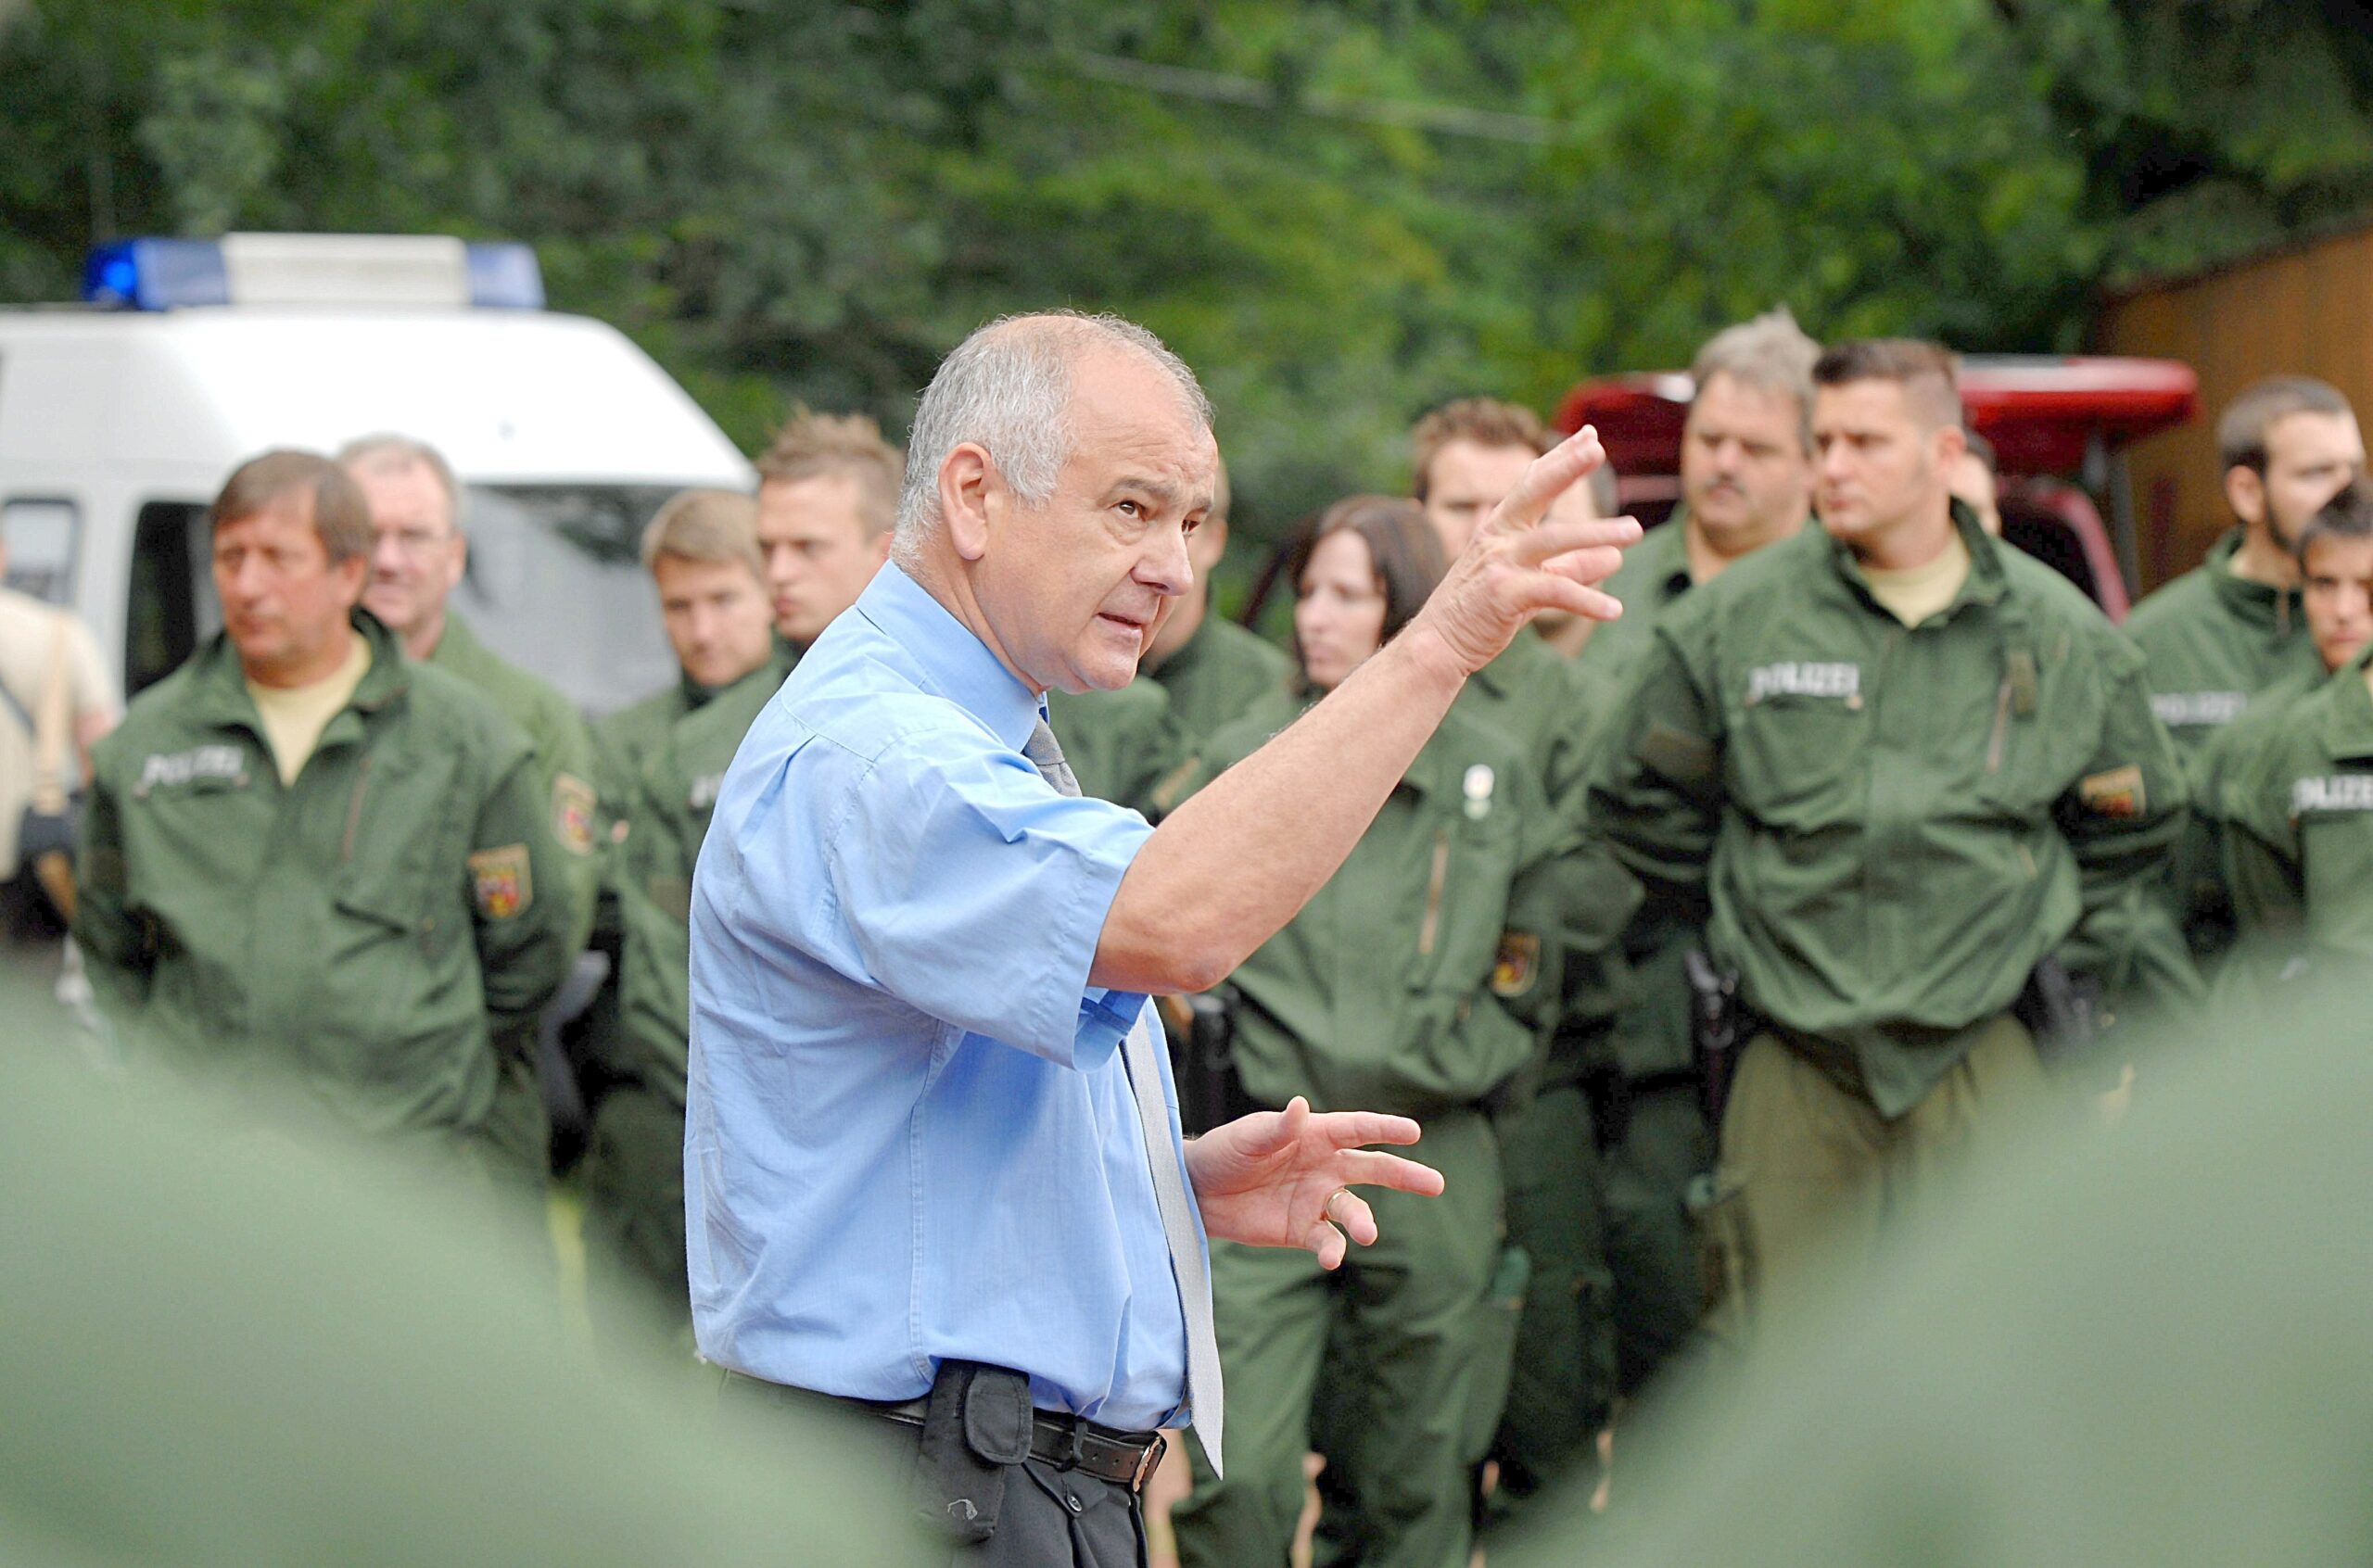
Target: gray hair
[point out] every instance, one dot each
(1770, 354)
(1007, 388)
(387, 449)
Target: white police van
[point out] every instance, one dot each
(121, 416)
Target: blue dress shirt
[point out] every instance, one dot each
(909, 1134)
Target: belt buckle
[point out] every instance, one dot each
(1149, 1461)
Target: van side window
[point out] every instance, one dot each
(41, 535)
(170, 602)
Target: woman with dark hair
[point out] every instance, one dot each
(1393, 989)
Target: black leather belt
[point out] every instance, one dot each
(1059, 1438)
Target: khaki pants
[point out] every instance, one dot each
(1811, 1177)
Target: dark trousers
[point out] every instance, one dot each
(1052, 1518)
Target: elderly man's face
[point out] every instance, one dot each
(1076, 589)
(417, 556)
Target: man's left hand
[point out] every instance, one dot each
(1285, 1178)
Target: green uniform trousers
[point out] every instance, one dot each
(634, 1213)
(1810, 1172)
(1410, 1305)
(1563, 1385)
(1659, 1147)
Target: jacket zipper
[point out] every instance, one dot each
(2001, 727)
(354, 810)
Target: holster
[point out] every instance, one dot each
(1203, 1036)
(2062, 1011)
(976, 1428)
(1718, 1029)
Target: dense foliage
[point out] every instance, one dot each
(1341, 214)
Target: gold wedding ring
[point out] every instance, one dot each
(1326, 1209)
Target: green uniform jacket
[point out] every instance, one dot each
(1895, 824)
(2296, 812)
(1218, 674)
(2231, 748)
(562, 758)
(1392, 990)
(1555, 712)
(667, 816)
(358, 927)
(1654, 573)
(2213, 642)
(1121, 745)
(625, 739)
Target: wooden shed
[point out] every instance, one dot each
(2305, 309)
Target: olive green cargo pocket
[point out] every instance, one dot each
(1798, 761)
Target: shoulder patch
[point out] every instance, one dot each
(1516, 964)
(499, 883)
(2117, 792)
(574, 805)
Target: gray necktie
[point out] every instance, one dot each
(1178, 1227)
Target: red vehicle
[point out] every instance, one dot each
(2059, 427)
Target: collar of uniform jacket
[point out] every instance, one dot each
(2261, 605)
(955, 663)
(2348, 719)
(219, 684)
(1986, 585)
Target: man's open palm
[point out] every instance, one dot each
(1283, 1178)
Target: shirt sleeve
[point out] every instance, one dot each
(975, 893)
(94, 693)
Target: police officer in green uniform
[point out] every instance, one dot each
(2294, 778)
(305, 852)
(1212, 669)
(702, 552)
(2232, 626)
(418, 557)
(1905, 765)
(1547, 1340)
(1393, 987)
(1746, 483)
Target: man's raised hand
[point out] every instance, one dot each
(1516, 565)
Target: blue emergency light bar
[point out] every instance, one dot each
(318, 270)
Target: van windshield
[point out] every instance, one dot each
(555, 585)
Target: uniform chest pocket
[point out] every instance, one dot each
(1468, 870)
(2028, 763)
(400, 849)
(1798, 761)
(2336, 869)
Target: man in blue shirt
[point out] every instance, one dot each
(932, 1166)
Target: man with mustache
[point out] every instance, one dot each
(307, 854)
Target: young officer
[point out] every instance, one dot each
(1905, 765)
(2295, 779)
(2232, 627)
(702, 551)
(307, 854)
